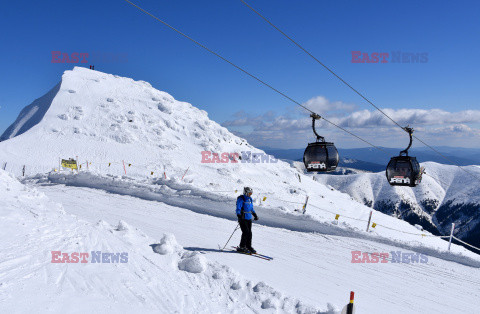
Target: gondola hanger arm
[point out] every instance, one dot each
(316, 117)
(409, 130)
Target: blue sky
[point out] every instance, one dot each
(330, 30)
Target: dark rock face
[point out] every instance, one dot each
(405, 211)
(465, 215)
(468, 214)
(446, 195)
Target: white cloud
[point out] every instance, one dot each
(438, 127)
(321, 105)
(455, 130)
(422, 117)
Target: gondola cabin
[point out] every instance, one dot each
(403, 171)
(321, 157)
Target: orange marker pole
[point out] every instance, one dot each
(185, 173)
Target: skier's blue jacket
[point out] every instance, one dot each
(245, 207)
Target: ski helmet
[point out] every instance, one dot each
(247, 190)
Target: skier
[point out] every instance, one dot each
(245, 212)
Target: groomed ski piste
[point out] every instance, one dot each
(172, 223)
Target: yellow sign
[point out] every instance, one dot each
(337, 216)
(69, 163)
(374, 225)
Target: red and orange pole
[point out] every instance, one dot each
(350, 305)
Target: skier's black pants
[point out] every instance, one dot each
(246, 226)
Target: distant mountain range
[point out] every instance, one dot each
(446, 195)
(370, 159)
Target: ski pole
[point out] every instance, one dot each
(231, 236)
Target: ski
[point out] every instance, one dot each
(254, 255)
(268, 258)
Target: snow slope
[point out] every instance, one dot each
(313, 267)
(158, 276)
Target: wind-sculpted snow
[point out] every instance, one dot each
(32, 228)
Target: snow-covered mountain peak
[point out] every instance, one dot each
(104, 117)
(104, 107)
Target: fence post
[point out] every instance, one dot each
(369, 218)
(305, 205)
(451, 236)
(23, 171)
(124, 169)
(4, 166)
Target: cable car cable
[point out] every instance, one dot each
(246, 72)
(261, 81)
(350, 86)
(321, 63)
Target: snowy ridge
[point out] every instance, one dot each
(30, 115)
(158, 276)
